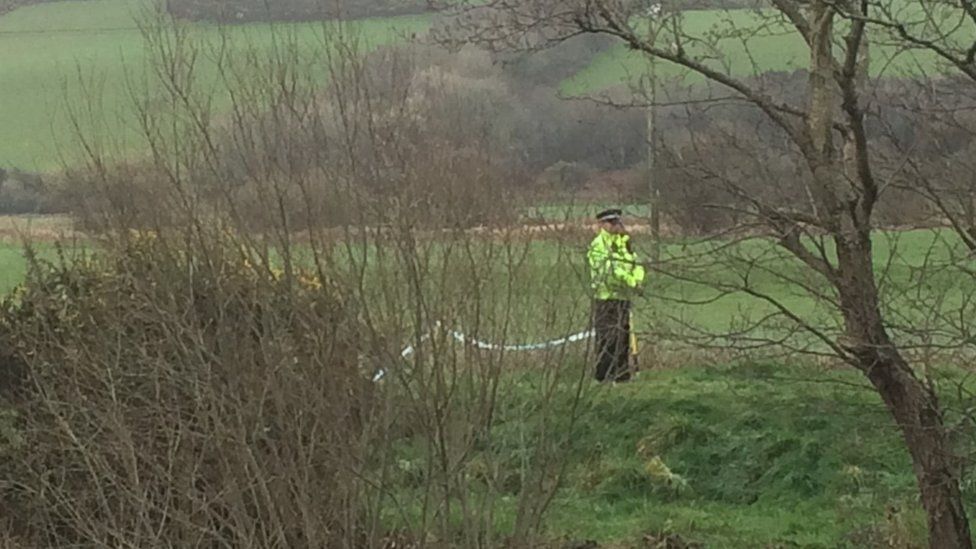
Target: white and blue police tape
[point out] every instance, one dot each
(462, 338)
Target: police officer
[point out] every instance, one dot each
(615, 276)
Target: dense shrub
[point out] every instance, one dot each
(204, 400)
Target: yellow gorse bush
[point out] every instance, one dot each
(238, 260)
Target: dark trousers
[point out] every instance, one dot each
(611, 321)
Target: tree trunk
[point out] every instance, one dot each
(914, 405)
(916, 410)
(847, 215)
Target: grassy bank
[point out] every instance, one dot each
(758, 457)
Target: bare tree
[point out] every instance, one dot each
(938, 36)
(209, 377)
(828, 137)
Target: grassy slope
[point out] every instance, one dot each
(774, 48)
(44, 48)
(767, 460)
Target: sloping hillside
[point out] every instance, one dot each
(58, 56)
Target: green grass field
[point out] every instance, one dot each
(771, 46)
(47, 49)
(553, 275)
(12, 266)
(766, 462)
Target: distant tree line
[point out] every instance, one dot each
(10, 5)
(25, 193)
(595, 149)
(7, 5)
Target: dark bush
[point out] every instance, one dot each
(565, 177)
(24, 193)
(182, 395)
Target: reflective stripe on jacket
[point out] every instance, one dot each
(614, 270)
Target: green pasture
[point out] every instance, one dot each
(701, 286)
(12, 266)
(89, 57)
(533, 289)
(746, 43)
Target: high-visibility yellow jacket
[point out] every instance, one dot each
(614, 270)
